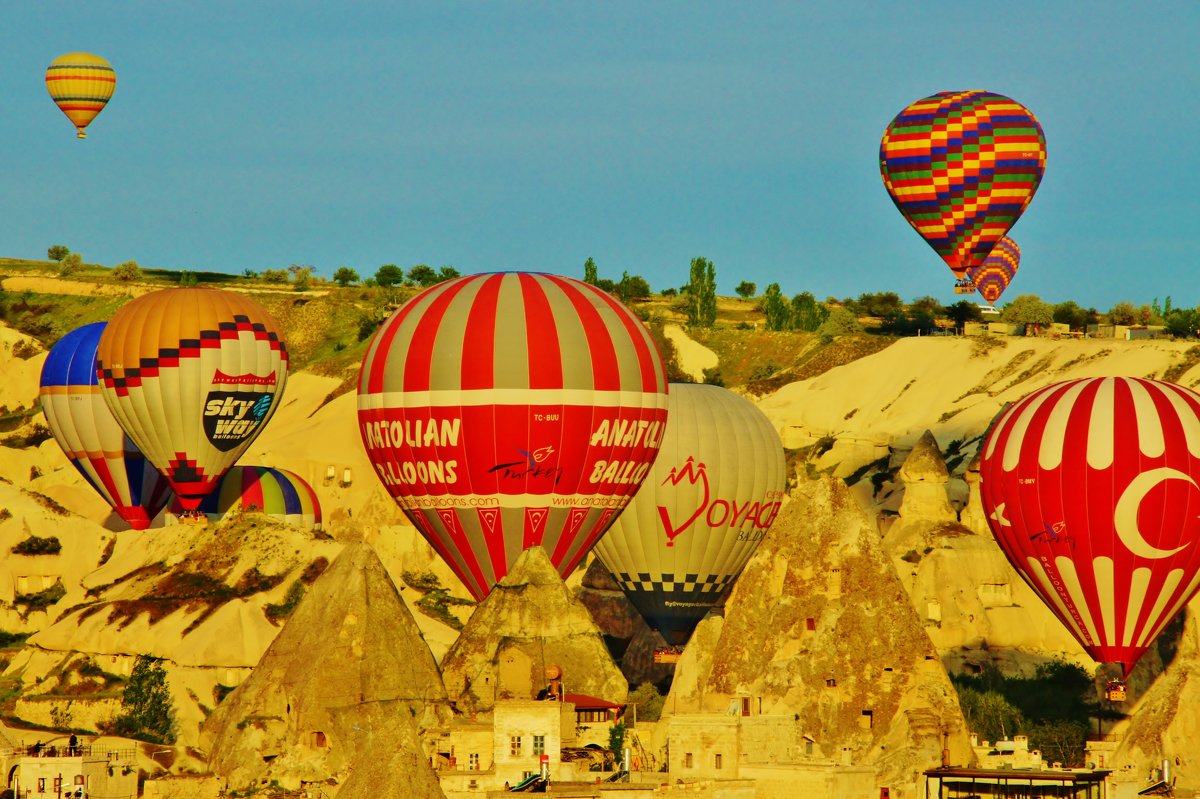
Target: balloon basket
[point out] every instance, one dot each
(669, 656)
(1116, 691)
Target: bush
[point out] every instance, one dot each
(70, 264)
(36, 545)
(275, 275)
(127, 271)
(57, 252)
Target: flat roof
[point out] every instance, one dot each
(1024, 775)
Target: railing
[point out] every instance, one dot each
(80, 750)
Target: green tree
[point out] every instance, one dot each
(616, 739)
(301, 276)
(1028, 310)
(1060, 741)
(880, 304)
(746, 289)
(187, 279)
(389, 275)
(632, 288)
(962, 312)
(344, 276)
(129, 270)
(1123, 313)
(71, 263)
(807, 313)
(702, 293)
(926, 305)
(989, 713)
(648, 700)
(591, 273)
(447, 273)
(841, 322)
(1182, 323)
(146, 709)
(776, 308)
(58, 251)
(274, 275)
(421, 275)
(1070, 314)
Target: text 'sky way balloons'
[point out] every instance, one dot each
(712, 494)
(80, 84)
(1092, 488)
(192, 375)
(992, 276)
(510, 410)
(279, 493)
(962, 167)
(90, 435)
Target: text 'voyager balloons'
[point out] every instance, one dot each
(80, 84)
(90, 435)
(193, 375)
(278, 493)
(510, 410)
(962, 167)
(713, 493)
(1092, 489)
(996, 272)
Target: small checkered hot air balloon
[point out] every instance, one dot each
(510, 410)
(962, 167)
(278, 493)
(712, 495)
(1092, 489)
(192, 375)
(80, 84)
(90, 435)
(992, 276)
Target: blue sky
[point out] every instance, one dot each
(521, 135)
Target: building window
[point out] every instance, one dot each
(866, 719)
(514, 746)
(717, 760)
(687, 760)
(473, 761)
(79, 779)
(745, 706)
(539, 744)
(831, 682)
(41, 784)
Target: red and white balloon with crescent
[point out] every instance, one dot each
(1092, 489)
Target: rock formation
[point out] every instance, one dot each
(528, 622)
(924, 476)
(972, 515)
(818, 626)
(347, 672)
(630, 640)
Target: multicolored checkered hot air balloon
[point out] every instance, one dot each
(1092, 489)
(962, 167)
(992, 276)
(90, 435)
(80, 84)
(192, 375)
(278, 493)
(510, 410)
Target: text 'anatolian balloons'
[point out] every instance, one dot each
(1092, 489)
(996, 272)
(90, 435)
(713, 493)
(962, 167)
(510, 410)
(192, 375)
(80, 84)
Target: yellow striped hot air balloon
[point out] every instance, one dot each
(80, 85)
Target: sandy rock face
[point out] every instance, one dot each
(350, 665)
(924, 476)
(819, 626)
(528, 622)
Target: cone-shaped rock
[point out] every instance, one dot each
(528, 622)
(351, 644)
(973, 515)
(819, 628)
(924, 475)
(391, 763)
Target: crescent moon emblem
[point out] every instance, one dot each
(1126, 512)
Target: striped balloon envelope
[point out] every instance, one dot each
(1092, 489)
(80, 84)
(962, 167)
(713, 493)
(278, 493)
(192, 375)
(90, 435)
(510, 410)
(993, 276)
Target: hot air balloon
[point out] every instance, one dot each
(80, 84)
(713, 493)
(962, 167)
(510, 410)
(1091, 488)
(192, 375)
(89, 434)
(992, 276)
(278, 493)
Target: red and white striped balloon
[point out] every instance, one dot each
(509, 410)
(1092, 489)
